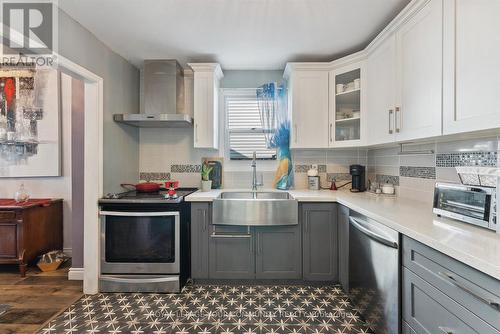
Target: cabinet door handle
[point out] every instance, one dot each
(250, 242)
(452, 280)
(391, 113)
(445, 330)
(295, 132)
(205, 222)
(196, 132)
(331, 127)
(397, 119)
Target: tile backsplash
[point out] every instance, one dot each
(332, 165)
(169, 155)
(414, 175)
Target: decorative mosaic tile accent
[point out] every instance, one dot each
(392, 179)
(338, 177)
(185, 168)
(419, 172)
(305, 168)
(214, 309)
(154, 176)
(466, 159)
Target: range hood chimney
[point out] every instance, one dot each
(163, 97)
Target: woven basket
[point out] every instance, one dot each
(44, 266)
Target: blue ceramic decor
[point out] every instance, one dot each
(274, 116)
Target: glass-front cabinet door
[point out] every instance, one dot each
(346, 106)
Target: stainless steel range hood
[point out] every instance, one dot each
(163, 97)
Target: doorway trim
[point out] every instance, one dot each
(93, 165)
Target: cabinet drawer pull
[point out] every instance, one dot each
(391, 112)
(445, 330)
(229, 235)
(452, 280)
(215, 235)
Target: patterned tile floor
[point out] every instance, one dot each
(208, 309)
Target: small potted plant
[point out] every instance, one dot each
(206, 183)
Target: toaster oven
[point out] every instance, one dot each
(470, 204)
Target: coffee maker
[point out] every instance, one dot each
(358, 178)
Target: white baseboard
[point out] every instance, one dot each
(75, 274)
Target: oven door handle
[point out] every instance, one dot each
(138, 214)
(139, 280)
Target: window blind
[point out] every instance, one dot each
(244, 129)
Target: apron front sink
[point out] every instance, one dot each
(249, 208)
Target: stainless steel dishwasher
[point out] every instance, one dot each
(374, 273)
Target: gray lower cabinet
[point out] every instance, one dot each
(320, 241)
(428, 310)
(443, 295)
(308, 250)
(343, 221)
(231, 252)
(200, 220)
(278, 252)
(475, 291)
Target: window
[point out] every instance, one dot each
(244, 132)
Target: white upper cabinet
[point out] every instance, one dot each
(472, 65)
(381, 92)
(308, 107)
(205, 105)
(346, 104)
(419, 42)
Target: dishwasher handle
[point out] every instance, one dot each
(356, 224)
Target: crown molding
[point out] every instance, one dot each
(207, 67)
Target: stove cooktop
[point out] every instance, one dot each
(152, 197)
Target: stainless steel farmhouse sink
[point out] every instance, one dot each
(255, 208)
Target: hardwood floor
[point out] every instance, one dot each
(26, 304)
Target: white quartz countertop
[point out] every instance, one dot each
(474, 246)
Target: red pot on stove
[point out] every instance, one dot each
(144, 187)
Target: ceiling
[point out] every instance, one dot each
(239, 34)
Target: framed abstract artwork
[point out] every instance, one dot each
(30, 126)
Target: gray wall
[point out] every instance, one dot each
(249, 78)
(121, 95)
(77, 172)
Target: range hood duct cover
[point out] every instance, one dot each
(163, 97)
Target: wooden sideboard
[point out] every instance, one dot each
(29, 230)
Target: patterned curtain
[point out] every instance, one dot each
(274, 117)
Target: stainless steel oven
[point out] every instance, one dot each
(145, 243)
(140, 242)
(471, 204)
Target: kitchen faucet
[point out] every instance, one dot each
(255, 184)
